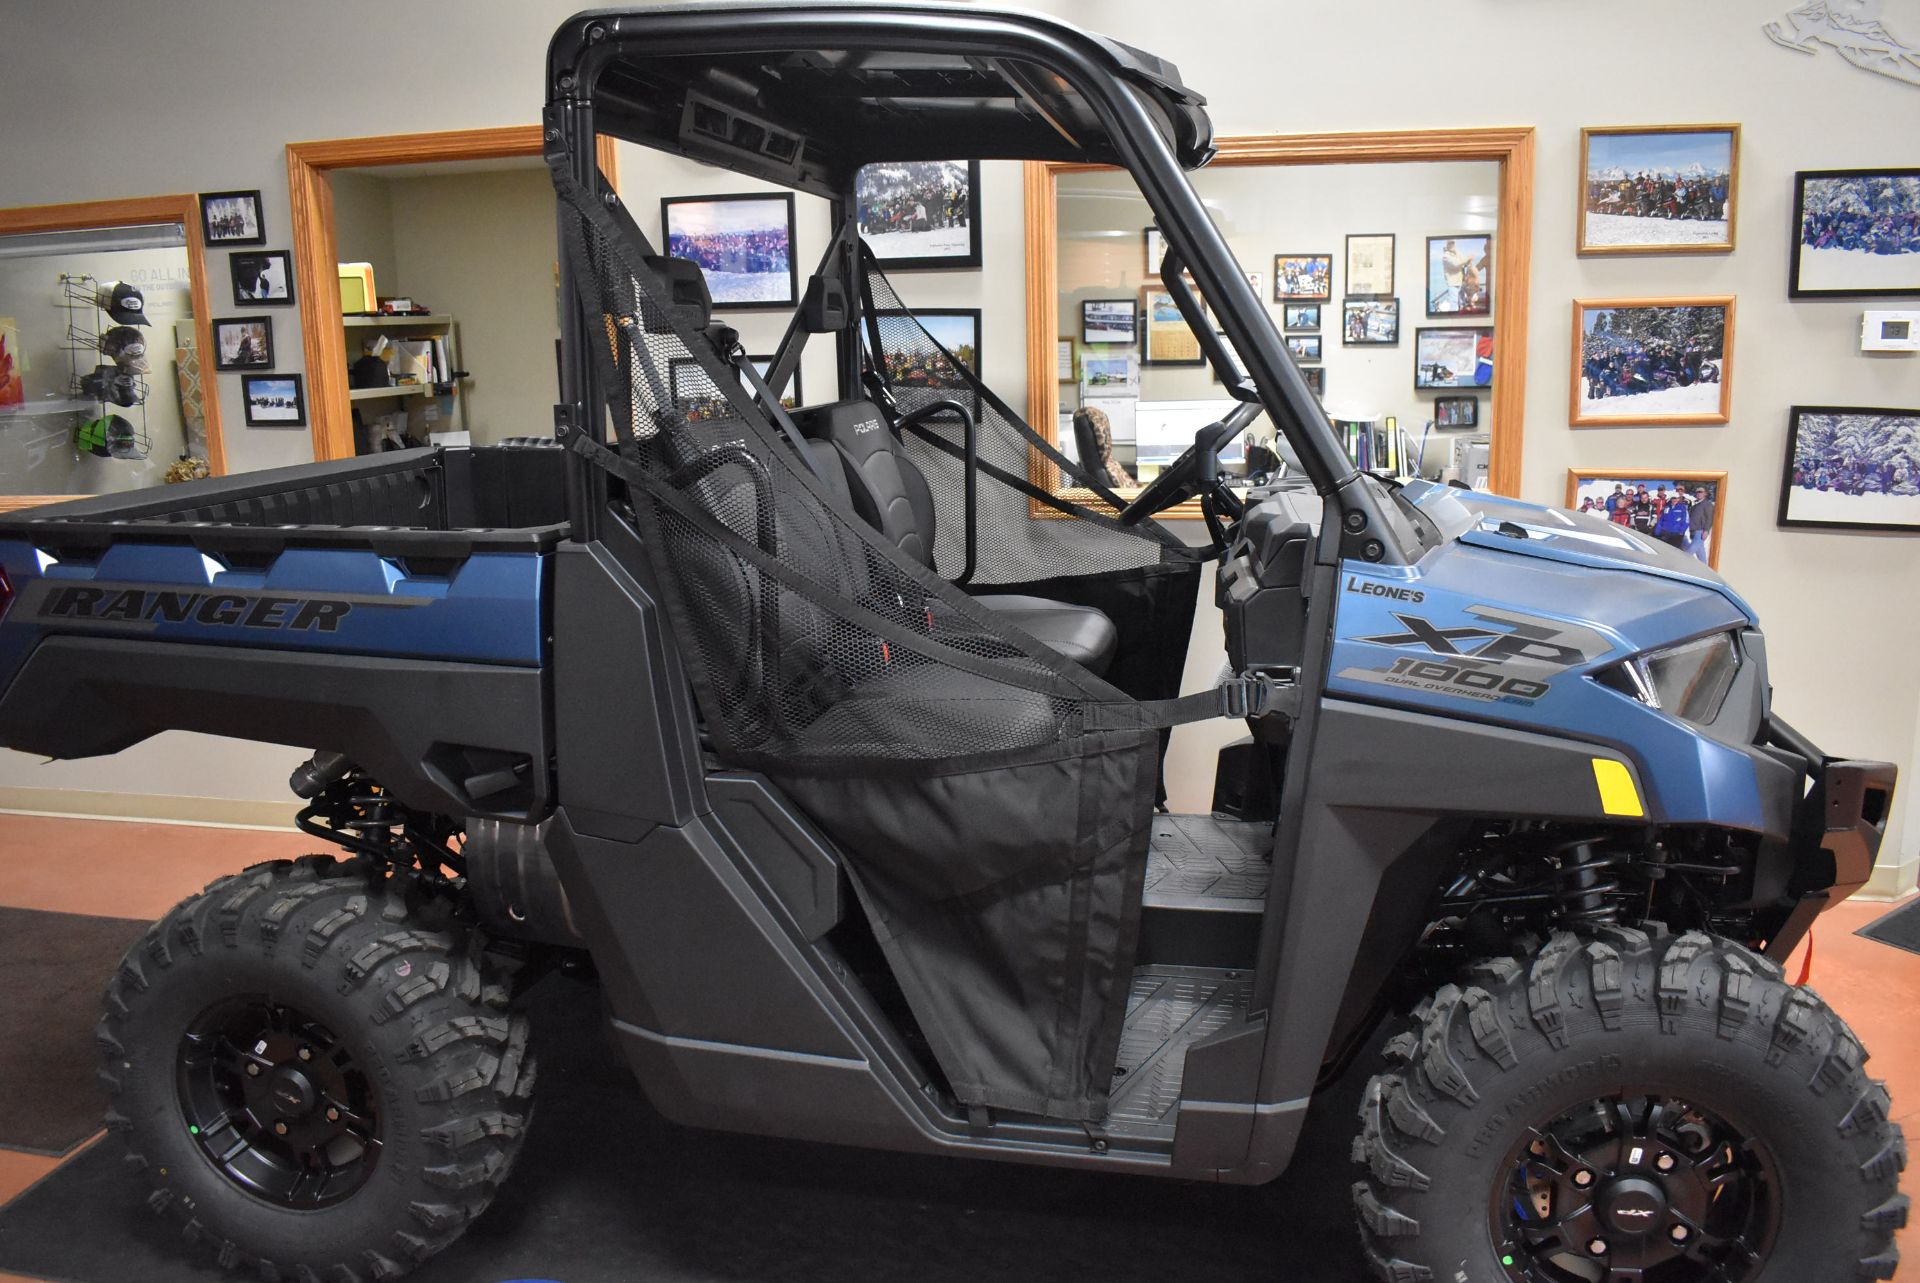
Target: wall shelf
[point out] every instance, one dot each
(375, 394)
(436, 320)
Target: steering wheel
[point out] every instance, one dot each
(1198, 464)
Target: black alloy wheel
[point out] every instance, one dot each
(277, 1103)
(1636, 1189)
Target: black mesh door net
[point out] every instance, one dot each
(991, 797)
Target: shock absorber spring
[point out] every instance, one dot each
(1587, 894)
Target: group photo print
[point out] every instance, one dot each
(1684, 510)
(1659, 189)
(232, 218)
(1852, 468)
(1302, 278)
(923, 213)
(744, 245)
(1856, 234)
(1652, 361)
(274, 401)
(1370, 322)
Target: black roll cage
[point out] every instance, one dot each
(1022, 86)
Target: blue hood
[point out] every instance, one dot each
(1556, 534)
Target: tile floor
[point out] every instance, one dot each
(133, 870)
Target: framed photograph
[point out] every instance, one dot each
(1103, 375)
(1303, 278)
(231, 218)
(1659, 189)
(1253, 283)
(693, 390)
(1456, 412)
(1852, 468)
(1301, 316)
(957, 329)
(1155, 250)
(1684, 509)
(1063, 357)
(1856, 234)
(1305, 347)
(744, 244)
(1316, 376)
(263, 277)
(1453, 358)
(1460, 275)
(1370, 263)
(1166, 337)
(1109, 320)
(920, 213)
(243, 343)
(1652, 361)
(274, 400)
(1370, 322)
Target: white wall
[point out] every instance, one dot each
(1839, 608)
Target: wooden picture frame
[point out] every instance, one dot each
(967, 257)
(1587, 200)
(1066, 359)
(1816, 479)
(1654, 478)
(1796, 237)
(263, 362)
(257, 417)
(1176, 343)
(735, 303)
(1318, 265)
(1670, 376)
(1370, 277)
(215, 222)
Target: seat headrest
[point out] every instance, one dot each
(682, 290)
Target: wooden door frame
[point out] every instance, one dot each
(316, 248)
(1511, 147)
(183, 208)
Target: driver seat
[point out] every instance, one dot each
(889, 492)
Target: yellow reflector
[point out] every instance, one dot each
(1618, 796)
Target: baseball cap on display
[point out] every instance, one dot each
(123, 302)
(126, 346)
(91, 437)
(111, 383)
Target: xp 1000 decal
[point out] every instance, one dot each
(1489, 654)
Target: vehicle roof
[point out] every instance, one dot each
(805, 94)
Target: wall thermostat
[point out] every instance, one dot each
(1890, 332)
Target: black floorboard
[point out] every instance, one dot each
(1901, 928)
(54, 967)
(608, 1192)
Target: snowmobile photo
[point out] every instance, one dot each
(829, 741)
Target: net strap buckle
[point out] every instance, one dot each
(1256, 694)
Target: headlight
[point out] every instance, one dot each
(1690, 680)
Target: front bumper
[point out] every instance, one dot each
(1837, 827)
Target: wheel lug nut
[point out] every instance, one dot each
(1679, 1233)
(333, 1115)
(279, 1129)
(1664, 1163)
(253, 1071)
(1583, 1179)
(1597, 1247)
(306, 1053)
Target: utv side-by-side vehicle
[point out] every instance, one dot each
(829, 740)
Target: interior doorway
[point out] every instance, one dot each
(459, 224)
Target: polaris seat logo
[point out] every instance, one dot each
(142, 607)
(869, 425)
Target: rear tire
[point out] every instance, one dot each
(380, 1004)
(1467, 1117)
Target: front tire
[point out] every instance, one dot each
(1621, 1107)
(316, 1071)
